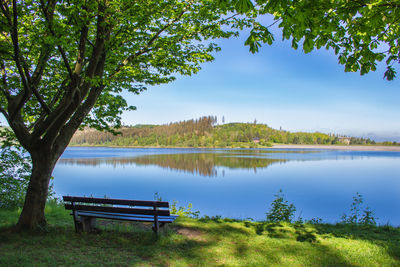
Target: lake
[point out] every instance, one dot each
(238, 183)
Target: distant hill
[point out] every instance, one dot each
(204, 132)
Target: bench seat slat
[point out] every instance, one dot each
(144, 203)
(122, 214)
(126, 218)
(117, 210)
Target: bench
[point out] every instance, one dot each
(85, 210)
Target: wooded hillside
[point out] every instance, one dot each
(204, 132)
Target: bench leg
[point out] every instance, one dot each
(155, 227)
(78, 226)
(89, 224)
(160, 227)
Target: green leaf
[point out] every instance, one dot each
(295, 45)
(342, 59)
(243, 6)
(390, 73)
(252, 42)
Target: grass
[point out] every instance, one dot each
(198, 242)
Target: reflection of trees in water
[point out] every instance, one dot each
(116, 162)
(270, 151)
(204, 163)
(196, 163)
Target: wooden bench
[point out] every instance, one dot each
(85, 210)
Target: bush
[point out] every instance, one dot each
(281, 210)
(366, 217)
(182, 210)
(15, 169)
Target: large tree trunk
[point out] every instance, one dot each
(32, 215)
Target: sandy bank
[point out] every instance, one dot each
(335, 147)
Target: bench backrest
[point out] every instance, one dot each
(142, 207)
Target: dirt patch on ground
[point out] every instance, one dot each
(191, 233)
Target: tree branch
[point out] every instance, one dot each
(41, 101)
(60, 132)
(146, 48)
(43, 124)
(32, 87)
(98, 49)
(37, 77)
(49, 20)
(68, 130)
(20, 130)
(76, 91)
(23, 96)
(51, 105)
(81, 50)
(4, 89)
(41, 65)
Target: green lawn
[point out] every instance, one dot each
(198, 242)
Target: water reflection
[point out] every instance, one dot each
(321, 183)
(204, 164)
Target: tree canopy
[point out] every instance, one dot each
(361, 33)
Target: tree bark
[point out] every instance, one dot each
(32, 215)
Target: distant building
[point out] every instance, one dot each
(256, 140)
(345, 140)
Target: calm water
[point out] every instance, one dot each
(238, 183)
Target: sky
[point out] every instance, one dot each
(278, 86)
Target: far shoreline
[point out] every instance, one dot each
(341, 147)
(284, 146)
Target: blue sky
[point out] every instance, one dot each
(278, 86)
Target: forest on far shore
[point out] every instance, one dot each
(204, 132)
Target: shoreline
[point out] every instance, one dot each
(342, 147)
(284, 146)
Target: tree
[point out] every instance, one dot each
(64, 64)
(361, 33)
